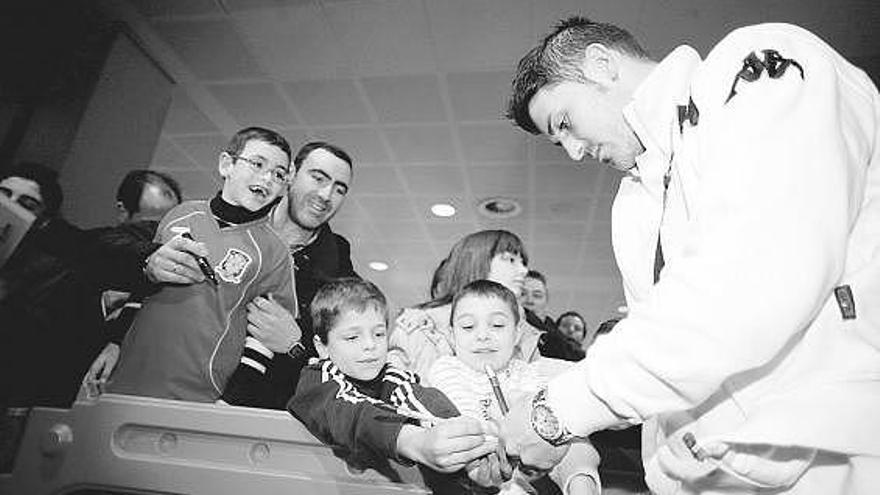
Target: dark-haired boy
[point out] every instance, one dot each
(345, 397)
(187, 340)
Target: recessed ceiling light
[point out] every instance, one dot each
(378, 266)
(499, 207)
(623, 309)
(443, 210)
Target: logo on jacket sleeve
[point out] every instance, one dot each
(233, 266)
(774, 64)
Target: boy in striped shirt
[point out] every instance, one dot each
(352, 398)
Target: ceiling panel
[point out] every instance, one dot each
(168, 156)
(568, 209)
(212, 49)
(363, 144)
(566, 179)
(270, 5)
(390, 208)
(204, 151)
(479, 95)
(375, 180)
(259, 104)
(329, 102)
(382, 37)
(480, 34)
(332, 102)
(400, 231)
(495, 142)
(167, 8)
(184, 117)
(499, 180)
(293, 43)
(433, 179)
(415, 144)
(414, 98)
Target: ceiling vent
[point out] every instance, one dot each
(499, 207)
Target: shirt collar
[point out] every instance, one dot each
(653, 111)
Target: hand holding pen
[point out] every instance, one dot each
(174, 262)
(202, 261)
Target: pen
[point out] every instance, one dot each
(421, 417)
(496, 388)
(203, 263)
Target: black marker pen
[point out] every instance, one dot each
(203, 262)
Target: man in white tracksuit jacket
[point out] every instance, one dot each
(755, 357)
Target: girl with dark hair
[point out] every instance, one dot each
(422, 334)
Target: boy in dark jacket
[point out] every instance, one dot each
(381, 415)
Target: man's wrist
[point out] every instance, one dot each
(582, 412)
(296, 350)
(546, 423)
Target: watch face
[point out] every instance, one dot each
(544, 422)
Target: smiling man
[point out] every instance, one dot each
(752, 182)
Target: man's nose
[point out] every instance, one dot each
(325, 192)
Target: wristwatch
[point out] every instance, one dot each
(545, 422)
(297, 350)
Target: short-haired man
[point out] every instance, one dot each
(552, 343)
(146, 195)
(535, 296)
(142, 198)
(752, 182)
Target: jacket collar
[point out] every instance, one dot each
(653, 112)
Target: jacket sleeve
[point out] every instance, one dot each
(251, 384)
(781, 167)
(339, 416)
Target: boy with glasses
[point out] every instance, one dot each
(187, 340)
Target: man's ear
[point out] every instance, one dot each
(601, 64)
(323, 353)
(225, 163)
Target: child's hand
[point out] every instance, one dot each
(173, 262)
(448, 446)
(271, 324)
(491, 470)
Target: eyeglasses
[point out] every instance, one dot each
(278, 174)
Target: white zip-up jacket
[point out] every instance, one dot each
(773, 201)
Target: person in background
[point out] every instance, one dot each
(187, 340)
(485, 316)
(352, 398)
(536, 297)
(422, 334)
(50, 313)
(142, 199)
(572, 325)
(552, 343)
(746, 232)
